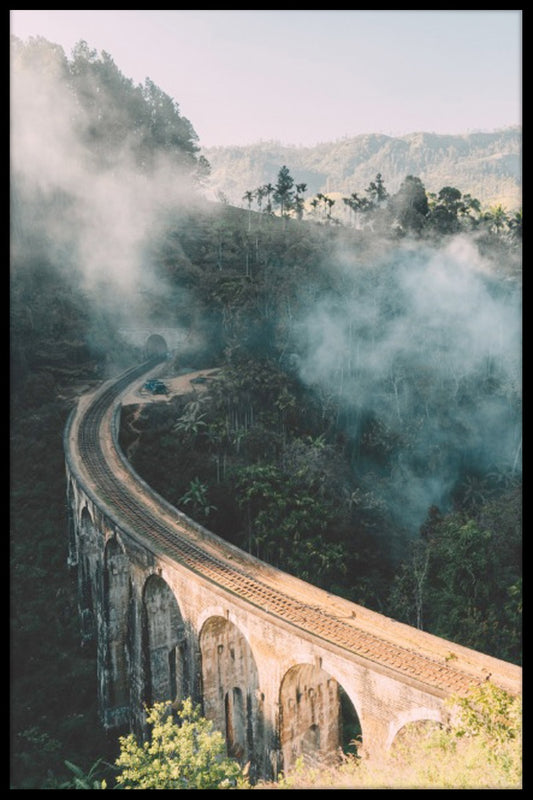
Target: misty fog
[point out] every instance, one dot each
(427, 341)
(88, 214)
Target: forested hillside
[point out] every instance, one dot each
(365, 415)
(487, 165)
(93, 157)
(364, 427)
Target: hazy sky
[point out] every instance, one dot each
(302, 77)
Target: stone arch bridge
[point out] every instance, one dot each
(280, 666)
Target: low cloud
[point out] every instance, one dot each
(426, 343)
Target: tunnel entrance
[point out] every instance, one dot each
(155, 346)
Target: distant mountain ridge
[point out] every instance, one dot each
(487, 166)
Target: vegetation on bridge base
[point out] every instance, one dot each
(480, 748)
(182, 753)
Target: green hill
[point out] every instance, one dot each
(485, 165)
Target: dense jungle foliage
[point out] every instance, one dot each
(361, 428)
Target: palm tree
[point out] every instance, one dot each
(260, 194)
(496, 217)
(328, 205)
(269, 191)
(196, 495)
(314, 203)
(298, 199)
(248, 197)
(514, 224)
(356, 205)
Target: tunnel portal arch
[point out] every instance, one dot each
(155, 346)
(317, 718)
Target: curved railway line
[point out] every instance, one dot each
(162, 534)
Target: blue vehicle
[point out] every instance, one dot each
(155, 386)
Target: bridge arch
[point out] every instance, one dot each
(88, 574)
(409, 720)
(117, 600)
(88, 532)
(163, 643)
(72, 559)
(317, 716)
(230, 688)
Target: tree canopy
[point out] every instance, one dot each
(113, 118)
(184, 752)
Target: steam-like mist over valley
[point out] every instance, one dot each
(427, 342)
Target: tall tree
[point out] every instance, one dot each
(248, 197)
(356, 205)
(283, 192)
(410, 206)
(445, 207)
(376, 191)
(298, 199)
(269, 190)
(260, 193)
(169, 130)
(515, 225)
(118, 118)
(496, 218)
(469, 211)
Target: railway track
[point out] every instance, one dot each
(173, 539)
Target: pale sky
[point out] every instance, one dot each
(303, 77)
